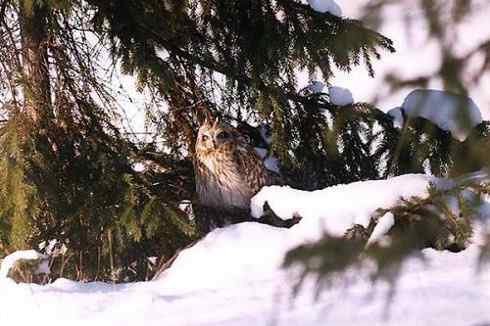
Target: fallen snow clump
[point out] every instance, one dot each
(454, 113)
(340, 96)
(324, 6)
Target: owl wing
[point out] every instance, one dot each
(254, 172)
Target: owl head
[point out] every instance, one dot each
(214, 135)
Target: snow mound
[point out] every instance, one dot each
(252, 250)
(454, 113)
(249, 250)
(233, 276)
(331, 209)
(340, 96)
(324, 6)
(9, 261)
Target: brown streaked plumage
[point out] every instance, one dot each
(228, 171)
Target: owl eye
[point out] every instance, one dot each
(223, 135)
(204, 137)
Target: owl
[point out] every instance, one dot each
(228, 170)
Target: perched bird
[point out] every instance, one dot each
(228, 170)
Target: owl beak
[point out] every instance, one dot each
(214, 144)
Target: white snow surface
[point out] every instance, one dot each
(324, 6)
(340, 96)
(233, 276)
(454, 113)
(332, 209)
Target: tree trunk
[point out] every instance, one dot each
(34, 31)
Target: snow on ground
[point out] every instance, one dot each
(233, 277)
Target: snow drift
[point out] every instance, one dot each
(233, 276)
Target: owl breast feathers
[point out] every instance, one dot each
(228, 171)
